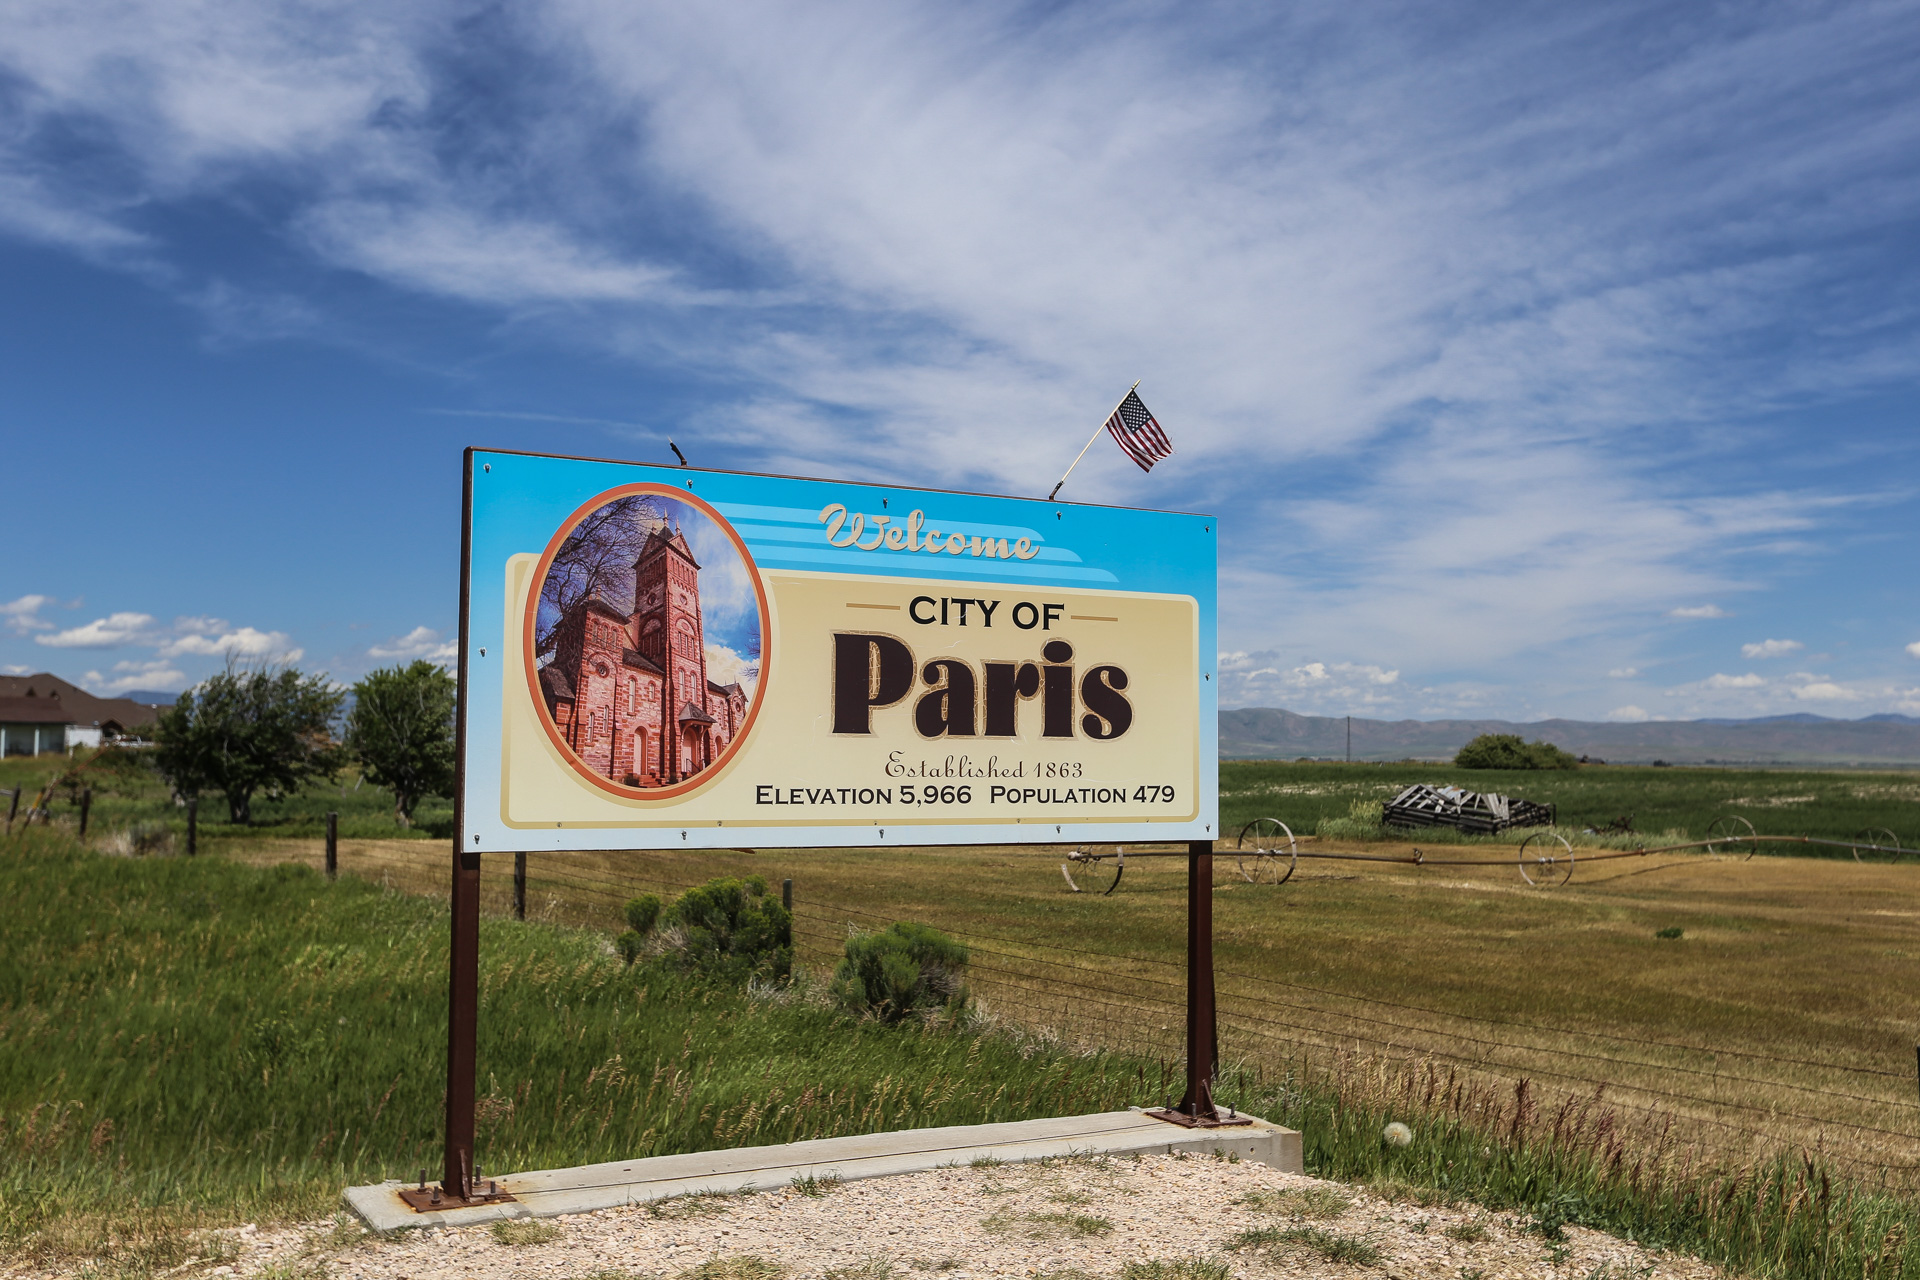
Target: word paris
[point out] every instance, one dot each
(907, 537)
(872, 671)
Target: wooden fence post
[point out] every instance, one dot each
(333, 846)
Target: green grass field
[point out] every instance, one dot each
(1681, 801)
(195, 1042)
(131, 795)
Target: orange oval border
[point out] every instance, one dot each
(712, 773)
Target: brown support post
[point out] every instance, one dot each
(463, 953)
(13, 810)
(193, 826)
(519, 886)
(1198, 1104)
(86, 807)
(1196, 1110)
(463, 1019)
(333, 846)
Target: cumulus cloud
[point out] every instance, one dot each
(157, 674)
(1628, 713)
(1914, 649)
(725, 666)
(23, 615)
(1771, 648)
(421, 642)
(1623, 673)
(1825, 691)
(15, 669)
(1249, 679)
(102, 633)
(241, 642)
(1697, 611)
(1720, 681)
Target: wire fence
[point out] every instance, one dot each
(1744, 1101)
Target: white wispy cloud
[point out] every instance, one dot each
(155, 674)
(1628, 713)
(421, 642)
(241, 642)
(1623, 673)
(1913, 650)
(23, 615)
(1722, 681)
(1825, 691)
(725, 666)
(1399, 263)
(102, 633)
(1771, 648)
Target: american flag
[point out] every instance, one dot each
(1135, 431)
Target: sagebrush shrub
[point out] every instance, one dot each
(902, 970)
(727, 928)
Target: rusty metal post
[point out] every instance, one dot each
(193, 826)
(463, 1020)
(86, 809)
(1198, 1102)
(333, 846)
(463, 953)
(519, 886)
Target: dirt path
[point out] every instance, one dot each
(1156, 1218)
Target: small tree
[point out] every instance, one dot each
(247, 730)
(901, 970)
(1509, 751)
(401, 728)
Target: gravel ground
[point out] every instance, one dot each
(1066, 1219)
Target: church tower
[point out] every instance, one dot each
(668, 632)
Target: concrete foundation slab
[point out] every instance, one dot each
(552, 1192)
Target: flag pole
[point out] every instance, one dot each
(1090, 439)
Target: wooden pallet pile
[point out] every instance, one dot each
(1482, 813)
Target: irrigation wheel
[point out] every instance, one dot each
(1265, 843)
(1727, 831)
(1876, 837)
(1091, 862)
(1546, 867)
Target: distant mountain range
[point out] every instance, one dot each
(1261, 733)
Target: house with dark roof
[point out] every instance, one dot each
(43, 713)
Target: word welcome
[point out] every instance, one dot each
(886, 535)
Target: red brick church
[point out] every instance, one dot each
(629, 692)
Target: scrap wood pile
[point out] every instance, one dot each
(1421, 805)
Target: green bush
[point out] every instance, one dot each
(900, 971)
(1508, 751)
(728, 928)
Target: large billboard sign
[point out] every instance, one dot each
(667, 657)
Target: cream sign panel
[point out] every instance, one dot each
(662, 657)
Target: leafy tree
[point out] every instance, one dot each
(728, 928)
(596, 558)
(1508, 751)
(401, 728)
(247, 730)
(901, 970)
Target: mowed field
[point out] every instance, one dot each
(1785, 1012)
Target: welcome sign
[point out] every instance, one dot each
(669, 657)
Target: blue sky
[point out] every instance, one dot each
(1538, 359)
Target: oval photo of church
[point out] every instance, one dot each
(647, 640)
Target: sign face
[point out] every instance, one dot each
(663, 657)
